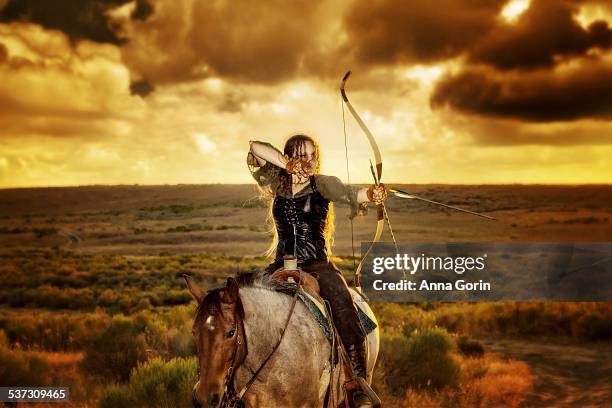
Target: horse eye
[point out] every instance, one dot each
(231, 333)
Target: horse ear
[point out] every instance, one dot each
(230, 293)
(194, 289)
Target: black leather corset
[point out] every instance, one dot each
(308, 213)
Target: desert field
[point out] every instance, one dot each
(230, 219)
(85, 266)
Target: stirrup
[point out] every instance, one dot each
(360, 384)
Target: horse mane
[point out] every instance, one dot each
(263, 280)
(211, 303)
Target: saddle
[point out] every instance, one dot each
(305, 279)
(310, 295)
(311, 298)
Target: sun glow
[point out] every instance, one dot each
(204, 143)
(590, 12)
(513, 10)
(424, 74)
(214, 84)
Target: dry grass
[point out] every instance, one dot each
(505, 384)
(61, 361)
(64, 372)
(492, 383)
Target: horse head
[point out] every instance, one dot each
(218, 330)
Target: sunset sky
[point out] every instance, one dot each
(171, 91)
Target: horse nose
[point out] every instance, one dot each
(195, 402)
(214, 400)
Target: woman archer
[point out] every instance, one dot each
(302, 211)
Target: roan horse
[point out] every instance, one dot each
(240, 325)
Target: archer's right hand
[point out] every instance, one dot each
(302, 169)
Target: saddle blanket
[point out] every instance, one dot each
(316, 307)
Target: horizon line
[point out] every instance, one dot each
(595, 184)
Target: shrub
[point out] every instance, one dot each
(53, 331)
(116, 350)
(432, 364)
(421, 361)
(4, 343)
(397, 317)
(470, 347)
(116, 396)
(176, 297)
(20, 368)
(392, 367)
(159, 384)
(595, 326)
(181, 343)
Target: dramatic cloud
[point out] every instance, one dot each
(143, 10)
(48, 86)
(542, 39)
(547, 66)
(79, 19)
(545, 33)
(584, 92)
(187, 40)
(3, 53)
(142, 87)
(389, 32)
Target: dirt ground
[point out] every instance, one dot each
(565, 375)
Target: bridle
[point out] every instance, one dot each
(231, 398)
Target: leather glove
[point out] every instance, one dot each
(301, 168)
(377, 193)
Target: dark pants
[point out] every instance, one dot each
(333, 288)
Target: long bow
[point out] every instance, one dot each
(382, 215)
(381, 211)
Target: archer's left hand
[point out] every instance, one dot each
(377, 193)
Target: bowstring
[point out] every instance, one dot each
(348, 180)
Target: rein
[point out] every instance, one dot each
(229, 394)
(232, 399)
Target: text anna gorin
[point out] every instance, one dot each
(424, 285)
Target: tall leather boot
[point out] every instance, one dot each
(357, 355)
